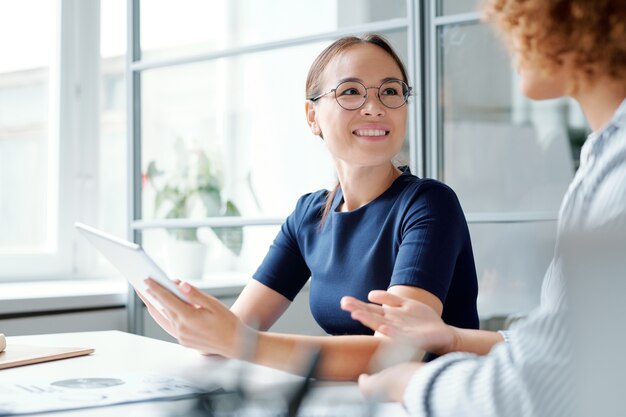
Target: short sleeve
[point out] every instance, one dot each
(284, 269)
(433, 234)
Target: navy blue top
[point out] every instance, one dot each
(413, 234)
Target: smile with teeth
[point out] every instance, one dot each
(370, 132)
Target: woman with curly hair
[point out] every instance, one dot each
(573, 48)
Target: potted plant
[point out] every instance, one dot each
(192, 189)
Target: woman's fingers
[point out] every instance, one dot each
(371, 315)
(352, 304)
(389, 384)
(386, 298)
(198, 297)
(154, 312)
(372, 321)
(168, 301)
(369, 386)
(144, 299)
(160, 316)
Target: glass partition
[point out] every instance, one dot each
(511, 260)
(509, 159)
(501, 152)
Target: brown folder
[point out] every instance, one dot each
(19, 355)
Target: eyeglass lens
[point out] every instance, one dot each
(352, 94)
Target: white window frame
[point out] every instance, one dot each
(73, 137)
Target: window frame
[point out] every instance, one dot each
(73, 136)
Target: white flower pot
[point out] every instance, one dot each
(186, 259)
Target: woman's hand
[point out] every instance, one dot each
(159, 317)
(404, 318)
(389, 384)
(206, 325)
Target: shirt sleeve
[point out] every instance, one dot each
(528, 376)
(284, 269)
(433, 234)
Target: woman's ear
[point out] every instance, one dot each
(311, 119)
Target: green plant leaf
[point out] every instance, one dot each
(212, 200)
(152, 171)
(179, 189)
(231, 237)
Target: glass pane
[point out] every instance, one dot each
(449, 7)
(240, 123)
(27, 206)
(197, 26)
(209, 258)
(113, 196)
(511, 260)
(501, 152)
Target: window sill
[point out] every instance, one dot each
(24, 298)
(46, 296)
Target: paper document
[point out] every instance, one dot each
(25, 397)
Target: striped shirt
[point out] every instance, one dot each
(531, 374)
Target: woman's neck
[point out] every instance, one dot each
(360, 185)
(600, 100)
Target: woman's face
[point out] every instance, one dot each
(371, 135)
(539, 86)
(534, 83)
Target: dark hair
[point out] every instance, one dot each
(314, 77)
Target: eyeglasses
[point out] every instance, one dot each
(351, 95)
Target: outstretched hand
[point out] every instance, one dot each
(400, 317)
(206, 324)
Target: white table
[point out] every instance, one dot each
(117, 353)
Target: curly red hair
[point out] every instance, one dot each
(592, 33)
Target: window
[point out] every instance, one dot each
(60, 154)
(29, 139)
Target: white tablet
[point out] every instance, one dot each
(131, 260)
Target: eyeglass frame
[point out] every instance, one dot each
(409, 93)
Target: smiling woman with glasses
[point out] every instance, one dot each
(380, 227)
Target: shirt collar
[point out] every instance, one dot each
(594, 142)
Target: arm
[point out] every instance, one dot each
(531, 375)
(209, 327)
(396, 316)
(343, 357)
(259, 306)
(475, 341)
